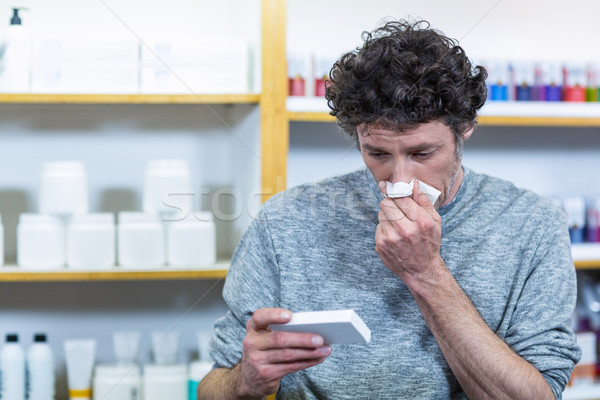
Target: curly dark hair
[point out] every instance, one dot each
(406, 74)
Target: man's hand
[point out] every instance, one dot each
(269, 356)
(409, 233)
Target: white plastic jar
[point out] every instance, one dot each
(141, 240)
(40, 241)
(168, 187)
(191, 242)
(117, 382)
(165, 382)
(63, 188)
(91, 241)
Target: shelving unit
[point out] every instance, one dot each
(276, 113)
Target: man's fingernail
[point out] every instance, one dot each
(286, 315)
(325, 350)
(317, 340)
(381, 184)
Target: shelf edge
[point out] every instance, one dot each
(17, 274)
(26, 98)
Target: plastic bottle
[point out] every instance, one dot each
(16, 60)
(117, 382)
(12, 369)
(199, 369)
(161, 382)
(40, 369)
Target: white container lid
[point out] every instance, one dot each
(117, 371)
(195, 218)
(587, 343)
(93, 218)
(128, 217)
(199, 369)
(168, 165)
(45, 219)
(203, 216)
(154, 370)
(64, 166)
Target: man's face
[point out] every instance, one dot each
(426, 152)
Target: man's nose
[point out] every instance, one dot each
(402, 172)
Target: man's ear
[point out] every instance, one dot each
(468, 133)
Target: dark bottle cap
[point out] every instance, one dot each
(12, 338)
(39, 338)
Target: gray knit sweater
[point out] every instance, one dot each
(313, 248)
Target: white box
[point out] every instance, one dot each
(183, 51)
(195, 66)
(336, 327)
(77, 66)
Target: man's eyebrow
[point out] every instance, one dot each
(420, 146)
(371, 148)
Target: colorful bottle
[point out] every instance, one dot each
(593, 221)
(524, 81)
(574, 82)
(296, 67)
(591, 90)
(574, 208)
(549, 81)
(498, 75)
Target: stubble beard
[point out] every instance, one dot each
(452, 176)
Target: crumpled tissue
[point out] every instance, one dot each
(402, 189)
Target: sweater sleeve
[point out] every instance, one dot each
(252, 283)
(541, 326)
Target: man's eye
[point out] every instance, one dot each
(421, 155)
(376, 154)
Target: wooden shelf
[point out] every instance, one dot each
(532, 113)
(130, 98)
(310, 116)
(586, 255)
(13, 273)
(587, 264)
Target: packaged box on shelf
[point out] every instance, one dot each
(584, 373)
(195, 66)
(79, 66)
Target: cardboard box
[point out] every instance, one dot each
(336, 327)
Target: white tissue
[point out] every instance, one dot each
(402, 189)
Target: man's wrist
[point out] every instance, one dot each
(428, 283)
(242, 390)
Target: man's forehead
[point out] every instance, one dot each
(378, 129)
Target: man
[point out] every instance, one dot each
(469, 297)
